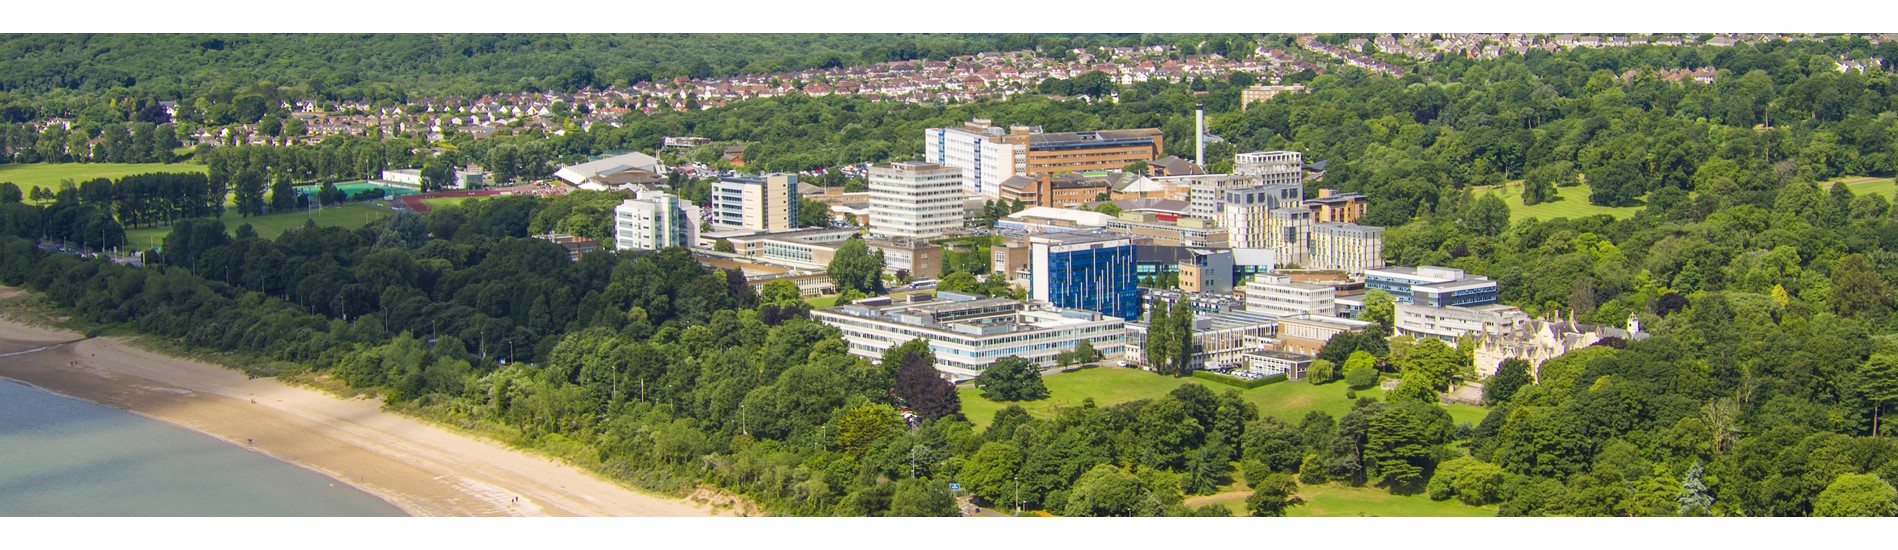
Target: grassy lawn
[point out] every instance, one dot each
(1573, 203)
(1333, 500)
(822, 301)
(29, 176)
(438, 202)
(1108, 385)
(1866, 184)
(349, 216)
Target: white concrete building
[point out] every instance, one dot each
(764, 203)
(976, 153)
(1220, 340)
(967, 334)
(1278, 295)
(915, 200)
(1272, 167)
(653, 221)
(1451, 322)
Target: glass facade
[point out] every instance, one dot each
(1095, 279)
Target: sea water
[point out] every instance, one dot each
(65, 457)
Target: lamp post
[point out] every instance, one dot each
(1017, 496)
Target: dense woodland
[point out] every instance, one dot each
(1761, 392)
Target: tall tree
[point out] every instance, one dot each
(925, 391)
(1510, 376)
(1878, 382)
(283, 197)
(249, 187)
(1857, 495)
(1011, 379)
(1489, 216)
(855, 267)
(1856, 286)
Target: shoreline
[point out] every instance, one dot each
(420, 468)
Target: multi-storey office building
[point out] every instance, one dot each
(1346, 247)
(763, 203)
(654, 220)
(1451, 322)
(1094, 272)
(989, 155)
(1278, 295)
(1432, 286)
(1220, 340)
(967, 334)
(915, 200)
(1271, 167)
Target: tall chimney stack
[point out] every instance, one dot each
(1199, 137)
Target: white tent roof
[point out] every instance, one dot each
(630, 161)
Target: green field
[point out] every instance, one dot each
(1573, 203)
(1865, 184)
(1108, 385)
(29, 176)
(268, 226)
(1337, 500)
(438, 202)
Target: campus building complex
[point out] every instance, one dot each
(967, 333)
(989, 155)
(654, 220)
(763, 203)
(915, 200)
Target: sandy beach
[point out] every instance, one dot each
(421, 468)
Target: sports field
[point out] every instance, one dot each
(45, 175)
(1572, 204)
(1288, 400)
(268, 226)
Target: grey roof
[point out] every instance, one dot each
(587, 170)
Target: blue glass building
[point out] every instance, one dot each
(1094, 272)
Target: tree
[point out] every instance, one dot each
(437, 174)
(780, 292)
(1471, 481)
(1360, 370)
(862, 426)
(1856, 286)
(1878, 382)
(1272, 497)
(1489, 216)
(1321, 372)
(811, 213)
(1510, 376)
(1180, 347)
(1155, 346)
(723, 245)
(1378, 308)
(1856, 495)
(248, 186)
(1274, 443)
(1694, 500)
(1106, 491)
(10, 193)
(854, 267)
(1082, 353)
(923, 497)
(923, 389)
(283, 198)
(1011, 379)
